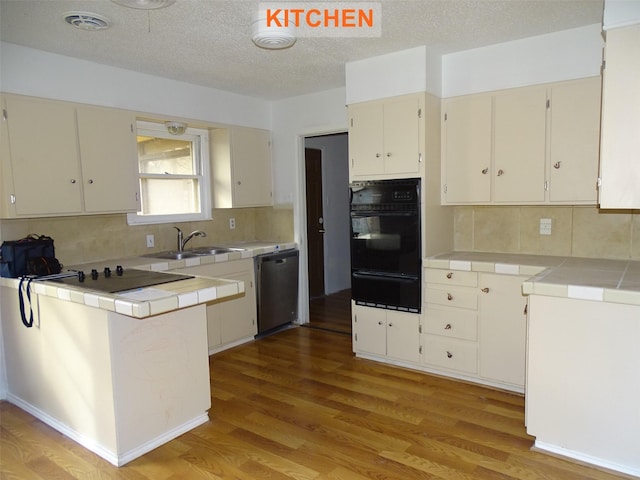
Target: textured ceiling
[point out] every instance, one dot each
(208, 42)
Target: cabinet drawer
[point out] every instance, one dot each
(451, 277)
(451, 322)
(451, 353)
(452, 297)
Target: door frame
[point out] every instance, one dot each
(300, 218)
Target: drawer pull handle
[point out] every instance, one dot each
(447, 326)
(485, 290)
(449, 297)
(449, 354)
(449, 275)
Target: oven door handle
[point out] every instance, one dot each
(387, 276)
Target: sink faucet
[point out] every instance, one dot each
(182, 243)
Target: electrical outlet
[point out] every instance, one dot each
(232, 223)
(151, 242)
(545, 226)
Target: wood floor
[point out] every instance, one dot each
(331, 312)
(298, 405)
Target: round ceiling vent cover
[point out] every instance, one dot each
(86, 20)
(271, 37)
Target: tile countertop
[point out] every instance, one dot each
(159, 298)
(615, 281)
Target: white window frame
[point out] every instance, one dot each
(159, 130)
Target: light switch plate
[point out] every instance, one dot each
(150, 241)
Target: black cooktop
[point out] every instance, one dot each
(119, 280)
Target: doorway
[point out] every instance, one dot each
(328, 224)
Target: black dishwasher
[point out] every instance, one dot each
(276, 289)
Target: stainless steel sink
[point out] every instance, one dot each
(172, 255)
(214, 250)
(194, 252)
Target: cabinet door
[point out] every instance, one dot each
(251, 165)
(466, 149)
(401, 136)
(44, 156)
(620, 146)
(575, 133)
(365, 139)
(369, 330)
(109, 158)
(520, 145)
(403, 336)
(238, 317)
(502, 323)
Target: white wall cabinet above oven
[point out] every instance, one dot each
(67, 159)
(530, 145)
(386, 138)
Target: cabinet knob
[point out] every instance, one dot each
(447, 326)
(500, 172)
(388, 154)
(73, 180)
(556, 165)
(449, 354)
(380, 323)
(378, 155)
(239, 182)
(390, 324)
(90, 181)
(449, 297)
(485, 171)
(485, 290)
(449, 275)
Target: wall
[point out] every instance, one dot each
(294, 119)
(565, 55)
(27, 71)
(335, 196)
(94, 238)
(575, 231)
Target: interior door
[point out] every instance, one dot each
(315, 222)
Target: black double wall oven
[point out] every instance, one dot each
(386, 244)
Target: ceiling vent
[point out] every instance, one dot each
(145, 4)
(271, 37)
(86, 20)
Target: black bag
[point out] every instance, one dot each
(32, 255)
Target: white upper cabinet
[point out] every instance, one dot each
(67, 159)
(466, 149)
(385, 137)
(519, 145)
(574, 141)
(523, 146)
(108, 152)
(241, 167)
(620, 148)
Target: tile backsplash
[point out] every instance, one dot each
(94, 238)
(576, 231)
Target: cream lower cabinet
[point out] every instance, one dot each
(502, 325)
(386, 137)
(68, 159)
(386, 333)
(231, 322)
(475, 326)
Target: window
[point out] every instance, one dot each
(174, 175)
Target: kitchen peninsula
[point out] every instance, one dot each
(119, 373)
